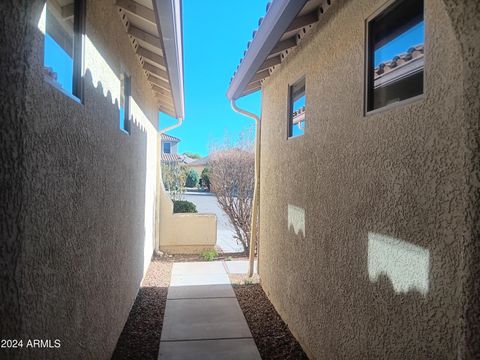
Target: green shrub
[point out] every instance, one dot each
(183, 206)
(192, 179)
(209, 255)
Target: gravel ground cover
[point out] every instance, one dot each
(140, 338)
(272, 336)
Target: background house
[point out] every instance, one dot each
(169, 144)
(169, 150)
(373, 252)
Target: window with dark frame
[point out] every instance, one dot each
(395, 54)
(167, 148)
(296, 109)
(125, 94)
(64, 30)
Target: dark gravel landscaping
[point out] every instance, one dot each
(272, 336)
(140, 338)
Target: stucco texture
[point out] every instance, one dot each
(388, 264)
(78, 195)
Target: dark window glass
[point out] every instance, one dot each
(166, 148)
(296, 116)
(395, 54)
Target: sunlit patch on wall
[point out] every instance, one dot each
(296, 219)
(405, 264)
(42, 22)
(101, 71)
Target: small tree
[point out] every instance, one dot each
(231, 172)
(191, 178)
(205, 178)
(174, 177)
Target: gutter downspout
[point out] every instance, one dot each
(174, 126)
(256, 198)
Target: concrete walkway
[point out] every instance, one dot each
(203, 319)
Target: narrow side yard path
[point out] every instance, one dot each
(203, 319)
(140, 338)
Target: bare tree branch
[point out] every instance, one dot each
(232, 180)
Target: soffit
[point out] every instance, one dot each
(254, 68)
(141, 24)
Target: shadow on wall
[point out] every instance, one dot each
(102, 76)
(109, 82)
(91, 209)
(392, 305)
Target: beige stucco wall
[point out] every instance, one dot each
(77, 224)
(371, 250)
(184, 233)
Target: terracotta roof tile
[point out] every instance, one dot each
(184, 159)
(171, 158)
(413, 53)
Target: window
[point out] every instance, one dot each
(296, 109)
(166, 148)
(125, 92)
(63, 24)
(395, 54)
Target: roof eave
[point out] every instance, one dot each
(169, 14)
(277, 20)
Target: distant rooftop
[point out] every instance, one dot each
(171, 158)
(199, 162)
(166, 137)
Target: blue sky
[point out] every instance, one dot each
(215, 34)
(411, 37)
(57, 59)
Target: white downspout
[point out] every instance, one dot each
(174, 126)
(256, 199)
